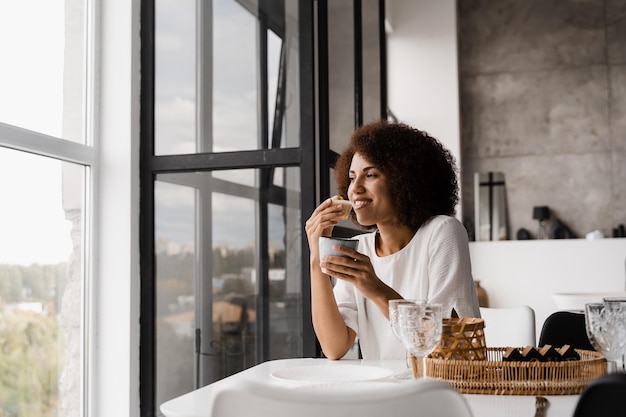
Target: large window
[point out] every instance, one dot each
(45, 184)
(227, 148)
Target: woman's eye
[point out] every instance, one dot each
(351, 179)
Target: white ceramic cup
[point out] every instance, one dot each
(326, 246)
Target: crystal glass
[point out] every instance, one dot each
(393, 322)
(420, 327)
(606, 332)
(617, 305)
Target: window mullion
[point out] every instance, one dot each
(38, 143)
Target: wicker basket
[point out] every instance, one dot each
(494, 376)
(461, 339)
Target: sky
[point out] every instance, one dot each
(33, 227)
(32, 64)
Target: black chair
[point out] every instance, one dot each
(604, 396)
(565, 328)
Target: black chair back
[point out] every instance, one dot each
(565, 328)
(604, 396)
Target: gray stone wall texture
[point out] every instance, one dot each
(543, 100)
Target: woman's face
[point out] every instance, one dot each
(369, 193)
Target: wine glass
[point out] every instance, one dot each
(420, 327)
(617, 306)
(606, 332)
(393, 322)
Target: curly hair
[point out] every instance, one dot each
(422, 173)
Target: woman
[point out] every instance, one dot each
(403, 186)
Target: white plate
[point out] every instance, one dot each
(332, 373)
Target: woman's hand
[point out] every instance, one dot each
(355, 268)
(321, 223)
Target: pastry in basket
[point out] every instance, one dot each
(530, 353)
(549, 354)
(546, 353)
(346, 206)
(512, 355)
(568, 353)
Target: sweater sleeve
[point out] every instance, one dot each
(449, 269)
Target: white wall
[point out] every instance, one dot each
(422, 65)
(530, 271)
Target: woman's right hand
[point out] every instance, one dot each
(321, 223)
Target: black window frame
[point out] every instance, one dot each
(152, 165)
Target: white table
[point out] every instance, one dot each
(198, 402)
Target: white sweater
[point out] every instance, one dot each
(435, 265)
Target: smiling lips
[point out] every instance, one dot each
(357, 204)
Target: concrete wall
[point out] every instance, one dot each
(543, 100)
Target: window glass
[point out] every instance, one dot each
(41, 285)
(175, 77)
(222, 67)
(274, 45)
(175, 288)
(235, 69)
(42, 76)
(228, 275)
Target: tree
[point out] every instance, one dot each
(29, 364)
